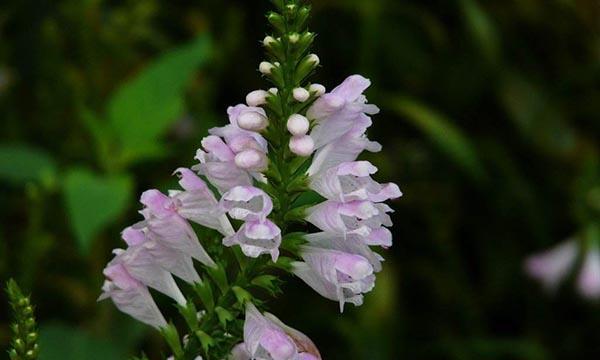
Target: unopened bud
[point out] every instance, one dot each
(252, 160)
(298, 125)
(252, 121)
(274, 90)
(317, 89)
(294, 38)
(256, 98)
(265, 67)
(314, 59)
(269, 40)
(302, 145)
(301, 94)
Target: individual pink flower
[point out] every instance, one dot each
(335, 275)
(267, 338)
(552, 266)
(140, 265)
(174, 261)
(345, 148)
(352, 181)
(166, 226)
(351, 244)
(588, 281)
(257, 238)
(131, 296)
(197, 203)
(336, 112)
(354, 217)
(246, 203)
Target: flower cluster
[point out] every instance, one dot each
(338, 262)
(292, 140)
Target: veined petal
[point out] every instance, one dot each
(256, 238)
(264, 340)
(133, 298)
(247, 203)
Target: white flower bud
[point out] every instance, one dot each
(317, 89)
(265, 67)
(313, 58)
(301, 94)
(251, 159)
(298, 125)
(274, 90)
(269, 40)
(252, 121)
(302, 145)
(294, 38)
(256, 98)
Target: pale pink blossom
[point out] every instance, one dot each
(552, 266)
(256, 238)
(588, 281)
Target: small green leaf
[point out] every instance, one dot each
(223, 315)
(206, 340)
(145, 107)
(481, 28)
(449, 138)
(172, 338)
(20, 163)
(268, 282)
(205, 293)
(241, 295)
(93, 202)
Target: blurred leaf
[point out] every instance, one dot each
(144, 107)
(21, 163)
(62, 342)
(449, 138)
(93, 201)
(481, 28)
(536, 116)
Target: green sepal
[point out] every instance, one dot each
(277, 21)
(205, 340)
(293, 241)
(205, 293)
(219, 276)
(297, 214)
(284, 263)
(268, 282)
(224, 316)
(190, 314)
(242, 296)
(171, 336)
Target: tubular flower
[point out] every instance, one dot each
(267, 338)
(131, 296)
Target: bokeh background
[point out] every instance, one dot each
(490, 124)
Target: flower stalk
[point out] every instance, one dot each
(24, 344)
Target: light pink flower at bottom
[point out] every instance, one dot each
(588, 281)
(553, 265)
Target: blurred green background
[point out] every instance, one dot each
(490, 124)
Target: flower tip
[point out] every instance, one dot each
(265, 67)
(269, 40)
(314, 59)
(257, 98)
(317, 89)
(301, 94)
(252, 121)
(302, 145)
(250, 160)
(298, 125)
